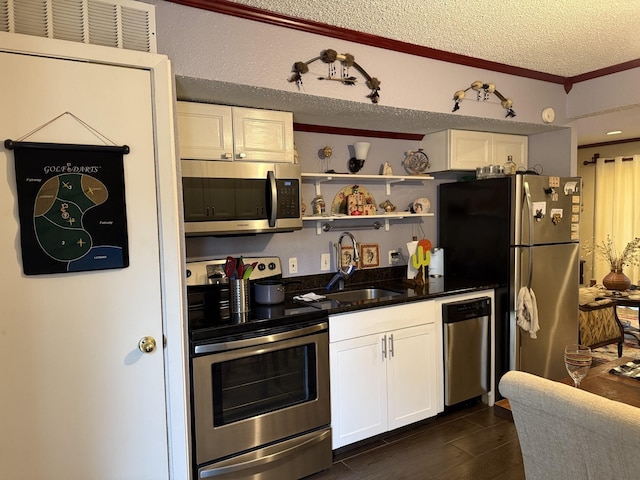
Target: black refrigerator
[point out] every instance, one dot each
(518, 231)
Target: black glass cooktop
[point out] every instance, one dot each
(209, 317)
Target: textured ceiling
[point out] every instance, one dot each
(560, 37)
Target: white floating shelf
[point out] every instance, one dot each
(388, 180)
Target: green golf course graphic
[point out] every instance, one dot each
(59, 207)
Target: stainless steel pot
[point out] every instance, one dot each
(269, 292)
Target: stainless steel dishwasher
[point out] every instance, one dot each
(467, 343)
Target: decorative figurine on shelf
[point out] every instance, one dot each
(355, 202)
(387, 206)
(370, 209)
(318, 205)
(326, 152)
(386, 169)
(416, 162)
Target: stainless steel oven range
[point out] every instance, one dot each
(260, 385)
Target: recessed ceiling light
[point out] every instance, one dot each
(614, 132)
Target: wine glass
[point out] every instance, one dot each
(577, 359)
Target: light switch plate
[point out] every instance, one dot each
(325, 262)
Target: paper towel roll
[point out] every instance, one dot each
(436, 267)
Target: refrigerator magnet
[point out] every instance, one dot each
(570, 188)
(539, 210)
(556, 215)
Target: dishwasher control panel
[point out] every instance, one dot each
(465, 309)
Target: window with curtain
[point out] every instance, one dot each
(617, 209)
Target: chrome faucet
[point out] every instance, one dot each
(344, 272)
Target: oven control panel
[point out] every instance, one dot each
(207, 272)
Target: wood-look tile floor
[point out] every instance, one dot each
(471, 443)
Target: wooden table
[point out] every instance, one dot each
(615, 387)
(599, 382)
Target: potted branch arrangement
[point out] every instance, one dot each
(616, 279)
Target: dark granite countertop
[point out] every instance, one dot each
(207, 319)
(392, 278)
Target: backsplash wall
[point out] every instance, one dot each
(305, 244)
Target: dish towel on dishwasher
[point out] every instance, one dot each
(527, 311)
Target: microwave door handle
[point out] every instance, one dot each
(273, 198)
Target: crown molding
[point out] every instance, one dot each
(227, 7)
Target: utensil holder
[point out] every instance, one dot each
(239, 296)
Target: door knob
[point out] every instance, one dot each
(147, 344)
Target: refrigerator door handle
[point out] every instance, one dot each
(527, 194)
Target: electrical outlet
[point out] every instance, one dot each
(325, 260)
(394, 257)
(293, 265)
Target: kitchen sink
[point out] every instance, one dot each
(361, 294)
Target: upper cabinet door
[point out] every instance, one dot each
(467, 150)
(205, 131)
(515, 146)
(262, 135)
(470, 149)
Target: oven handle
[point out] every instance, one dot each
(264, 460)
(250, 342)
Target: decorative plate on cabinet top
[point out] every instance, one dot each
(339, 204)
(416, 162)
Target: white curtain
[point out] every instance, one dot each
(617, 209)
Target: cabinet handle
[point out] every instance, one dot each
(228, 156)
(384, 347)
(391, 345)
(242, 155)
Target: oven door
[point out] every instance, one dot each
(252, 392)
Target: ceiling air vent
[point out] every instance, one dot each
(117, 23)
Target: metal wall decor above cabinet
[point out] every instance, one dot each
(220, 132)
(467, 150)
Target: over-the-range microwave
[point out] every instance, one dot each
(236, 198)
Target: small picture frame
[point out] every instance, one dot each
(369, 255)
(347, 255)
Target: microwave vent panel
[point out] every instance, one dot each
(125, 24)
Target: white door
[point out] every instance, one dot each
(358, 389)
(411, 375)
(78, 398)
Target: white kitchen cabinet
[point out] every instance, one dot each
(385, 365)
(467, 150)
(220, 132)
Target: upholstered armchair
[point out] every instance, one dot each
(567, 433)
(599, 325)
